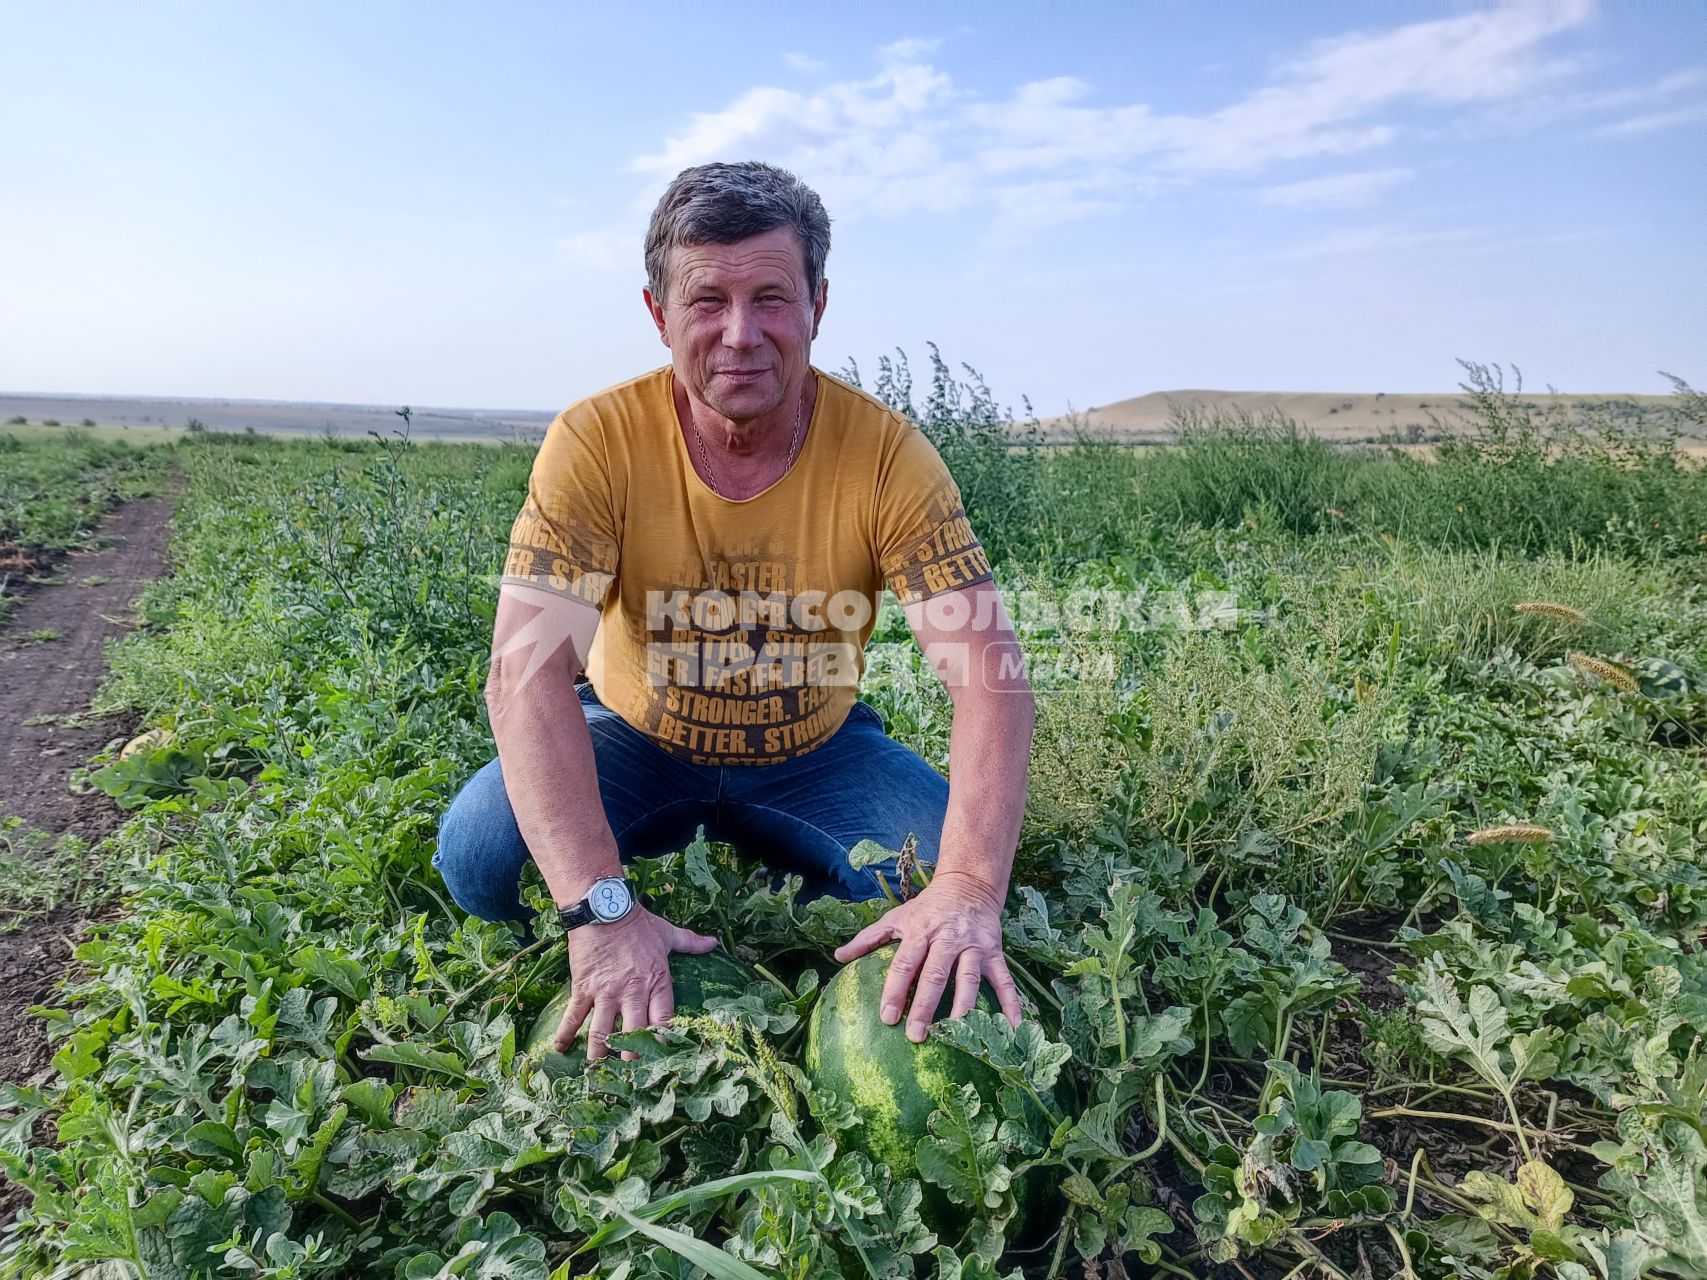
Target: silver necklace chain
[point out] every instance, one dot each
(793, 443)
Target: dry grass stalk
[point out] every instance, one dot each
(1616, 676)
(1549, 609)
(1512, 832)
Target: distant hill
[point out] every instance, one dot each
(1349, 417)
(280, 417)
(1147, 419)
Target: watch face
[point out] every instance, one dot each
(609, 899)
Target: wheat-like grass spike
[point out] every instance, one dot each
(1611, 672)
(1512, 833)
(1552, 609)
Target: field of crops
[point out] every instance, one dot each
(1360, 906)
(55, 485)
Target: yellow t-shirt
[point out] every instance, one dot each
(733, 631)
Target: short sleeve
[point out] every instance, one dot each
(925, 544)
(566, 539)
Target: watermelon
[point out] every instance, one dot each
(893, 1084)
(1660, 679)
(696, 979)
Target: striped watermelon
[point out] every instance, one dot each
(696, 979)
(893, 1084)
(1660, 679)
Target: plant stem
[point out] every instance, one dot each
(1481, 1094)
(1409, 1272)
(1162, 1264)
(1185, 1152)
(1060, 1254)
(1036, 985)
(1411, 1184)
(1138, 1157)
(770, 977)
(1203, 1073)
(462, 995)
(336, 1210)
(1386, 1113)
(1298, 1241)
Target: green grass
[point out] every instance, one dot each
(36, 433)
(55, 487)
(288, 1051)
(40, 873)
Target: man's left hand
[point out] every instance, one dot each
(953, 929)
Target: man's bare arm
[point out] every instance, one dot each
(617, 970)
(538, 640)
(952, 932)
(989, 752)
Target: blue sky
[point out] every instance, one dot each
(443, 204)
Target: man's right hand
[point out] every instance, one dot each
(621, 972)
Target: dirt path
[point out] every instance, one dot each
(52, 660)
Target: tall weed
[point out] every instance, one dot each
(1226, 467)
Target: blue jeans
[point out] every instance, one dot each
(801, 816)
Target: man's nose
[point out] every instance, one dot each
(741, 328)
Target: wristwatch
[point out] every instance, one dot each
(609, 900)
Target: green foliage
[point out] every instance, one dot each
(40, 872)
(1224, 469)
(1502, 473)
(53, 493)
(995, 468)
(288, 1055)
(1304, 1158)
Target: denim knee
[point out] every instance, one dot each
(480, 851)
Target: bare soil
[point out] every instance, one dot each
(52, 661)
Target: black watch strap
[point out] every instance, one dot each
(574, 917)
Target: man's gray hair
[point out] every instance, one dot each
(727, 203)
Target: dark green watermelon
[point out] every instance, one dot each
(1660, 679)
(696, 979)
(893, 1084)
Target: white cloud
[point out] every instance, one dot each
(1321, 103)
(804, 62)
(1025, 209)
(1535, 110)
(1394, 240)
(909, 139)
(875, 145)
(1654, 120)
(1337, 191)
(910, 50)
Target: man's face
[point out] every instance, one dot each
(739, 321)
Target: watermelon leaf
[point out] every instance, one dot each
(949, 1265)
(961, 1155)
(1664, 1181)
(414, 1055)
(1022, 1056)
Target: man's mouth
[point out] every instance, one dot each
(742, 375)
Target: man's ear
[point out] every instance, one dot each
(818, 307)
(656, 311)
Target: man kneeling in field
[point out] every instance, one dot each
(713, 537)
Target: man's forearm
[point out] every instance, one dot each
(546, 753)
(989, 757)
